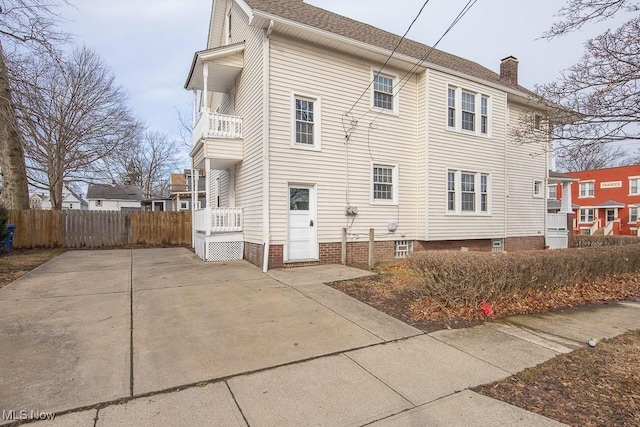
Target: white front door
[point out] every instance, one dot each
(301, 232)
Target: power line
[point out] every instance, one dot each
(388, 58)
(417, 65)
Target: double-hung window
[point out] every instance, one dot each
(484, 115)
(634, 186)
(633, 214)
(468, 111)
(383, 92)
(468, 189)
(587, 215)
(451, 107)
(587, 189)
(306, 122)
(451, 191)
(384, 183)
(468, 192)
(552, 192)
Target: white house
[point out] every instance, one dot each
(306, 125)
(70, 200)
(114, 197)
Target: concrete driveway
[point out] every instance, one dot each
(93, 327)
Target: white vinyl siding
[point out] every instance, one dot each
(249, 106)
(306, 69)
(448, 150)
(525, 214)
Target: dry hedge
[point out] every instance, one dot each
(584, 241)
(457, 278)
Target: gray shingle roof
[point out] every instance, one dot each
(114, 192)
(303, 13)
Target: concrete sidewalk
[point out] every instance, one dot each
(155, 337)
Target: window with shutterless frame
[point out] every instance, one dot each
(468, 192)
(468, 111)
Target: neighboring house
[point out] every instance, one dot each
(302, 134)
(608, 200)
(114, 197)
(70, 200)
(180, 190)
(158, 205)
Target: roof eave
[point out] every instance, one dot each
(262, 19)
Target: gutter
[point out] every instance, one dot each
(266, 89)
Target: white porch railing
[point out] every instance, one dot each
(557, 221)
(595, 227)
(608, 230)
(227, 219)
(213, 125)
(218, 220)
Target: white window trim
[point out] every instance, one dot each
(458, 193)
(395, 111)
(317, 122)
(549, 187)
(539, 194)
(629, 180)
(593, 181)
(395, 183)
(184, 205)
(637, 215)
(479, 94)
(580, 221)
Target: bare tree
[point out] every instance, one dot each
(576, 157)
(597, 100)
(76, 116)
(30, 24)
(147, 162)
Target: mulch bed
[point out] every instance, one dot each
(597, 386)
(393, 291)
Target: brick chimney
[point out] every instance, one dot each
(509, 70)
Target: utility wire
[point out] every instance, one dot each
(388, 58)
(402, 83)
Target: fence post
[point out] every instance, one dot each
(371, 248)
(344, 246)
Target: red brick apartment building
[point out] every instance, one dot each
(608, 200)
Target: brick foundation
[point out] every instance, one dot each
(483, 245)
(358, 252)
(528, 243)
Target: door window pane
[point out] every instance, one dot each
(299, 199)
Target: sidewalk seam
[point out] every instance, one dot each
(376, 377)
(233, 396)
(473, 355)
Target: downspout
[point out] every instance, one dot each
(266, 223)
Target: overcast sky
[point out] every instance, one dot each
(150, 44)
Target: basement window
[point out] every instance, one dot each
(403, 248)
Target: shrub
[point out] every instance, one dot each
(584, 241)
(460, 278)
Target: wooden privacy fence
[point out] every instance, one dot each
(94, 229)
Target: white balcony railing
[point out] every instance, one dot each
(218, 220)
(213, 125)
(557, 221)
